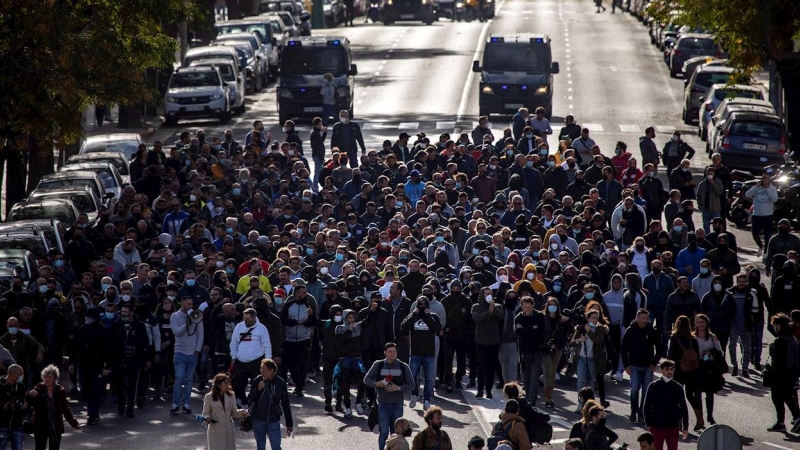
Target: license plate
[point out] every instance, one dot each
(194, 108)
(754, 146)
(312, 109)
(513, 105)
(406, 16)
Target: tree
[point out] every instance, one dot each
(754, 32)
(59, 56)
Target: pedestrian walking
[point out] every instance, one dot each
(590, 352)
(685, 350)
(392, 379)
(249, 345)
(783, 353)
(641, 347)
(48, 400)
(99, 115)
(422, 326)
(219, 410)
(433, 437)
(14, 408)
(128, 354)
(711, 361)
(530, 328)
(188, 333)
(269, 400)
(674, 152)
(346, 136)
(487, 317)
(398, 441)
(318, 134)
(764, 196)
(665, 411)
(709, 199)
(328, 93)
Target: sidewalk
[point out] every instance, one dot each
(151, 124)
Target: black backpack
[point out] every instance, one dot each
(537, 424)
(501, 433)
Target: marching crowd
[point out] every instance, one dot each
(474, 261)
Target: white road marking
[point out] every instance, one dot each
(665, 128)
(628, 128)
(408, 126)
(593, 127)
(462, 106)
(377, 73)
(445, 125)
(775, 445)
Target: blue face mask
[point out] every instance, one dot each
(551, 163)
(109, 315)
(339, 257)
(529, 136)
(59, 263)
(529, 163)
(399, 203)
(459, 185)
(190, 282)
(593, 325)
(589, 295)
(229, 230)
(678, 228)
(475, 251)
(309, 251)
(229, 270)
(237, 191)
(552, 309)
(543, 152)
(440, 239)
(43, 288)
(278, 300)
(704, 270)
(556, 288)
(104, 287)
(13, 330)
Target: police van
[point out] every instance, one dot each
(304, 63)
(517, 71)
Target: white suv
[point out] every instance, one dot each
(197, 92)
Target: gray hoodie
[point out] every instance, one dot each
(614, 300)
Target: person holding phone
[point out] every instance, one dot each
(219, 410)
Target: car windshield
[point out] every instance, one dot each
(242, 48)
(765, 130)
(194, 79)
(32, 212)
(517, 57)
(67, 182)
(116, 162)
(722, 94)
(275, 7)
(299, 60)
(250, 39)
(262, 29)
(83, 202)
(706, 79)
(23, 242)
(126, 147)
(697, 44)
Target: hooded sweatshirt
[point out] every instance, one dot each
(615, 302)
(397, 442)
(350, 340)
(423, 329)
(634, 298)
(537, 285)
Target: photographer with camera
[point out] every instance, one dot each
(12, 408)
(529, 327)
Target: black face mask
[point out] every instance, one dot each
(407, 432)
(602, 422)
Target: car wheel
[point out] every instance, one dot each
(702, 132)
(225, 117)
(259, 84)
(240, 110)
(686, 118)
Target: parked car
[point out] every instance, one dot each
(125, 143)
(108, 174)
(116, 158)
(728, 107)
(266, 29)
(691, 64)
(215, 52)
(259, 47)
(53, 230)
(275, 6)
(254, 80)
(197, 92)
(690, 45)
(231, 75)
(289, 23)
(697, 86)
(719, 92)
(16, 262)
(83, 198)
(82, 178)
(35, 242)
(63, 210)
(752, 141)
(335, 12)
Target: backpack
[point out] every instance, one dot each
(689, 359)
(537, 424)
(501, 433)
(793, 355)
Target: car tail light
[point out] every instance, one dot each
(676, 52)
(709, 107)
(782, 148)
(726, 140)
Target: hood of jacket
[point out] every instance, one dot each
(395, 442)
(528, 269)
(616, 276)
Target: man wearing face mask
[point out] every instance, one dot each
(689, 258)
(330, 354)
(346, 135)
(781, 243)
(250, 343)
(675, 151)
(724, 261)
(402, 430)
(487, 317)
(712, 306)
(13, 393)
(128, 353)
(23, 348)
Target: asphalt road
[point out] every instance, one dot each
(416, 77)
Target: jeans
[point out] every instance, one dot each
(641, 377)
(318, 163)
(586, 371)
(758, 339)
(747, 346)
(707, 216)
(184, 376)
(761, 224)
(327, 113)
(387, 414)
(14, 437)
(428, 366)
(263, 430)
(509, 361)
(531, 371)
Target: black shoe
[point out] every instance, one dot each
(298, 392)
(710, 420)
(328, 407)
(479, 394)
(632, 418)
(130, 414)
(735, 372)
(187, 410)
(606, 404)
(459, 386)
(796, 426)
(436, 384)
(93, 421)
(120, 412)
(549, 404)
(140, 402)
(339, 408)
(758, 367)
(471, 384)
(779, 426)
(745, 374)
(174, 410)
(157, 397)
(489, 394)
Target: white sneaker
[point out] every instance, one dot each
(360, 409)
(618, 376)
(413, 403)
(348, 412)
(426, 405)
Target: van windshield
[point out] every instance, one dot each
(299, 60)
(516, 57)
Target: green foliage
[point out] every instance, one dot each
(59, 56)
(750, 30)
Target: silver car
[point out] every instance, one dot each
(688, 46)
(125, 143)
(197, 92)
(697, 86)
(230, 73)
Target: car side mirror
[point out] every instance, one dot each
(686, 82)
(224, 84)
(353, 70)
(702, 98)
(476, 66)
(109, 195)
(554, 67)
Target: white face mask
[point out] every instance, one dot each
(323, 271)
(337, 319)
(513, 265)
(486, 259)
(489, 298)
(503, 278)
(554, 246)
(344, 120)
(530, 276)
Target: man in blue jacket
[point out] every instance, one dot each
(688, 260)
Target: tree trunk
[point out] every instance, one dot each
(790, 78)
(16, 175)
(204, 24)
(40, 161)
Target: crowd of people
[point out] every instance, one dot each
(467, 262)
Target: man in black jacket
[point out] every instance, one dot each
(665, 411)
(373, 338)
(347, 136)
(422, 326)
(398, 308)
(88, 358)
(12, 407)
(529, 327)
(456, 335)
(128, 354)
(640, 348)
(268, 400)
(318, 134)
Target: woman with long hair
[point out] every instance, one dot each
(219, 410)
(782, 391)
(682, 344)
(590, 360)
(602, 364)
(710, 353)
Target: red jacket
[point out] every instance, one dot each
(630, 177)
(620, 164)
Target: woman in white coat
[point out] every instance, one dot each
(219, 410)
